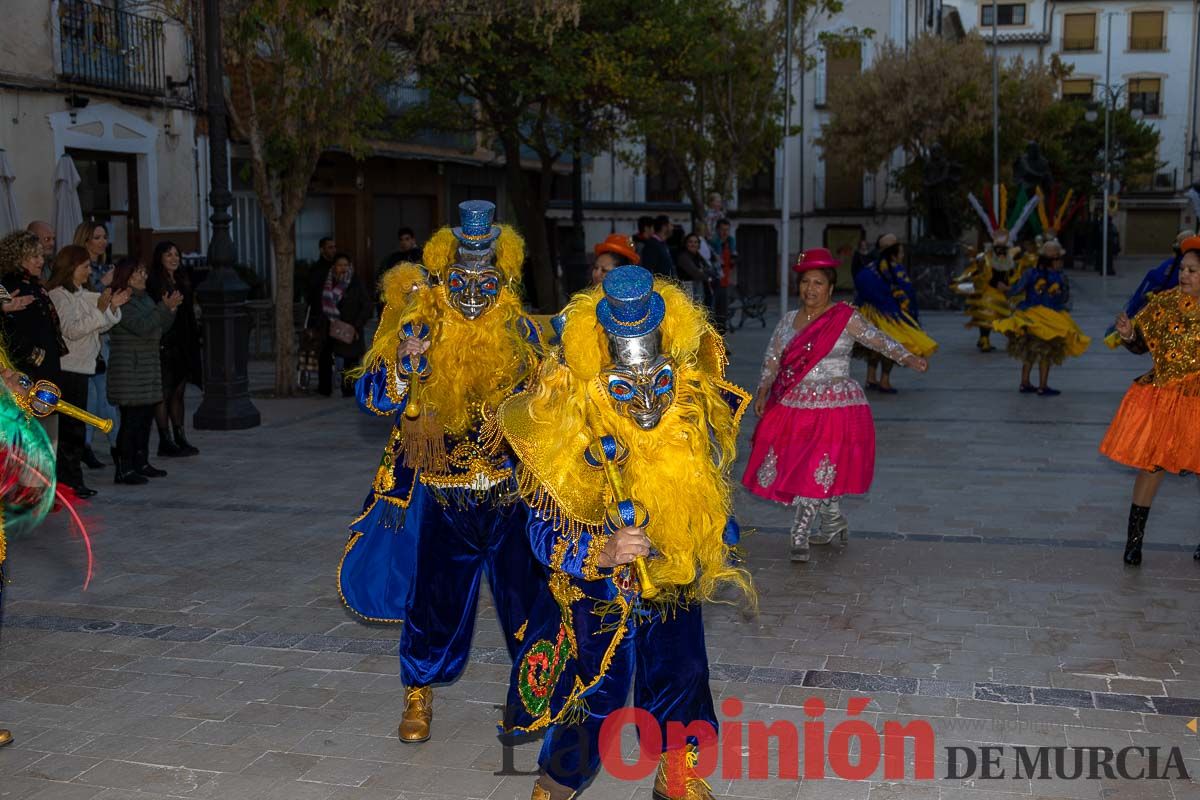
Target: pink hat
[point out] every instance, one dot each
(816, 258)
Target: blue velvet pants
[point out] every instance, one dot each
(664, 659)
(458, 544)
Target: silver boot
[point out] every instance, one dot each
(833, 524)
(806, 513)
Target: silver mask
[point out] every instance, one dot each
(473, 283)
(640, 379)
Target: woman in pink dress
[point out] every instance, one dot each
(815, 440)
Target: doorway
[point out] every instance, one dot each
(108, 196)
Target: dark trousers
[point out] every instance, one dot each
(325, 369)
(71, 432)
(664, 660)
(720, 307)
(458, 546)
(133, 438)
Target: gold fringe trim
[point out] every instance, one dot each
(424, 443)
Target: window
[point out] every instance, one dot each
(842, 63)
(1145, 95)
(843, 186)
(1079, 90)
(1146, 31)
(1010, 14)
(1079, 32)
(663, 183)
(758, 191)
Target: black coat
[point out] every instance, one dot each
(33, 336)
(656, 257)
(356, 308)
(180, 345)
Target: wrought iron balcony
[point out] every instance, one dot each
(1144, 44)
(1079, 44)
(105, 47)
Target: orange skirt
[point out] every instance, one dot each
(1157, 427)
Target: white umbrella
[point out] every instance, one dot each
(67, 213)
(10, 220)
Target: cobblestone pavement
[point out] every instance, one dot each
(982, 591)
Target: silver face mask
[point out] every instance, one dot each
(640, 379)
(473, 283)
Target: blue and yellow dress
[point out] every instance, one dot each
(886, 298)
(1041, 330)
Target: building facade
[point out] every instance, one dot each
(113, 91)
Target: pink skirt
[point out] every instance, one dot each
(813, 453)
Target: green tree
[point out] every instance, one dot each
(712, 109)
(1078, 157)
(306, 77)
(938, 92)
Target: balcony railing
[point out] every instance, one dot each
(1079, 44)
(1147, 43)
(113, 49)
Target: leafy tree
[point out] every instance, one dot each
(1078, 156)
(713, 109)
(306, 77)
(939, 92)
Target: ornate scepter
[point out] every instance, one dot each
(608, 454)
(416, 368)
(423, 440)
(43, 398)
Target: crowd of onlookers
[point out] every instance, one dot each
(119, 339)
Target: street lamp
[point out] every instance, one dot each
(222, 295)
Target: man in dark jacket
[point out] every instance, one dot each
(409, 251)
(656, 256)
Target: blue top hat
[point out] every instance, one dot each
(477, 231)
(630, 307)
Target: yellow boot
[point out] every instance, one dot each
(677, 768)
(418, 714)
(5, 737)
(546, 788)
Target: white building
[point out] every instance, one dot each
(115, 92)
(1139, 55)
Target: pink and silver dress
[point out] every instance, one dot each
(816, 439)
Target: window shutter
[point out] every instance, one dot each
(1146, 25)
(819, 95)
(1079, 28)
(1077, 87)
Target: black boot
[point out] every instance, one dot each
(89, 458)
(1196, 555)
(1137, 532)
(124, 472)
(185, 447)
(167, 448)
(142, 466)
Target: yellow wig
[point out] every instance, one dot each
(679, 470)
(472, 363)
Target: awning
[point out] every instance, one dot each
(67, 213)
(10, 220)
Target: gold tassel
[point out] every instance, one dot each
(424, 443)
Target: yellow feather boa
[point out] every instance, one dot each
(679, 470)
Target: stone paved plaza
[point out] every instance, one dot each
(982, 591)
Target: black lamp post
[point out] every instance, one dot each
(226, 405)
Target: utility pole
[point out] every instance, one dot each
(1000, 223)
(1108, 100)
(786, 210)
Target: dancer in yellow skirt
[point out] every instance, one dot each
(1041, 331)
(885, 297)
(1156, 428)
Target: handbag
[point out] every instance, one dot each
(342, 331)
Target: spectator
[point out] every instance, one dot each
(326, 251)
(861, 257)
(45, 235)
(343, 302)
(692, 269)
(93, 237)
(84, 315)
(616, 250)
(714, 212)
(33, 337)
(179, 351)
(656, 256)
(409, 251)
(725, 247)
(134, 370)
(645, 230)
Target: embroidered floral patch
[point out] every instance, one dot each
(826, 473)
(540, 669)
(767, 470)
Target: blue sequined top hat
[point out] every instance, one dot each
(630, 307)
(476, 231)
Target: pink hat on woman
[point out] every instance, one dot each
(816, 258)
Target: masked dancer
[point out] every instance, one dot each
(634, 407)
(451, 345)
(815, 440)
(1156, 429)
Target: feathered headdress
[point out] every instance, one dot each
(994, 218)
(1053, 215)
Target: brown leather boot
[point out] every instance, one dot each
(418, 714)
(676, 770)
(546, 788)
